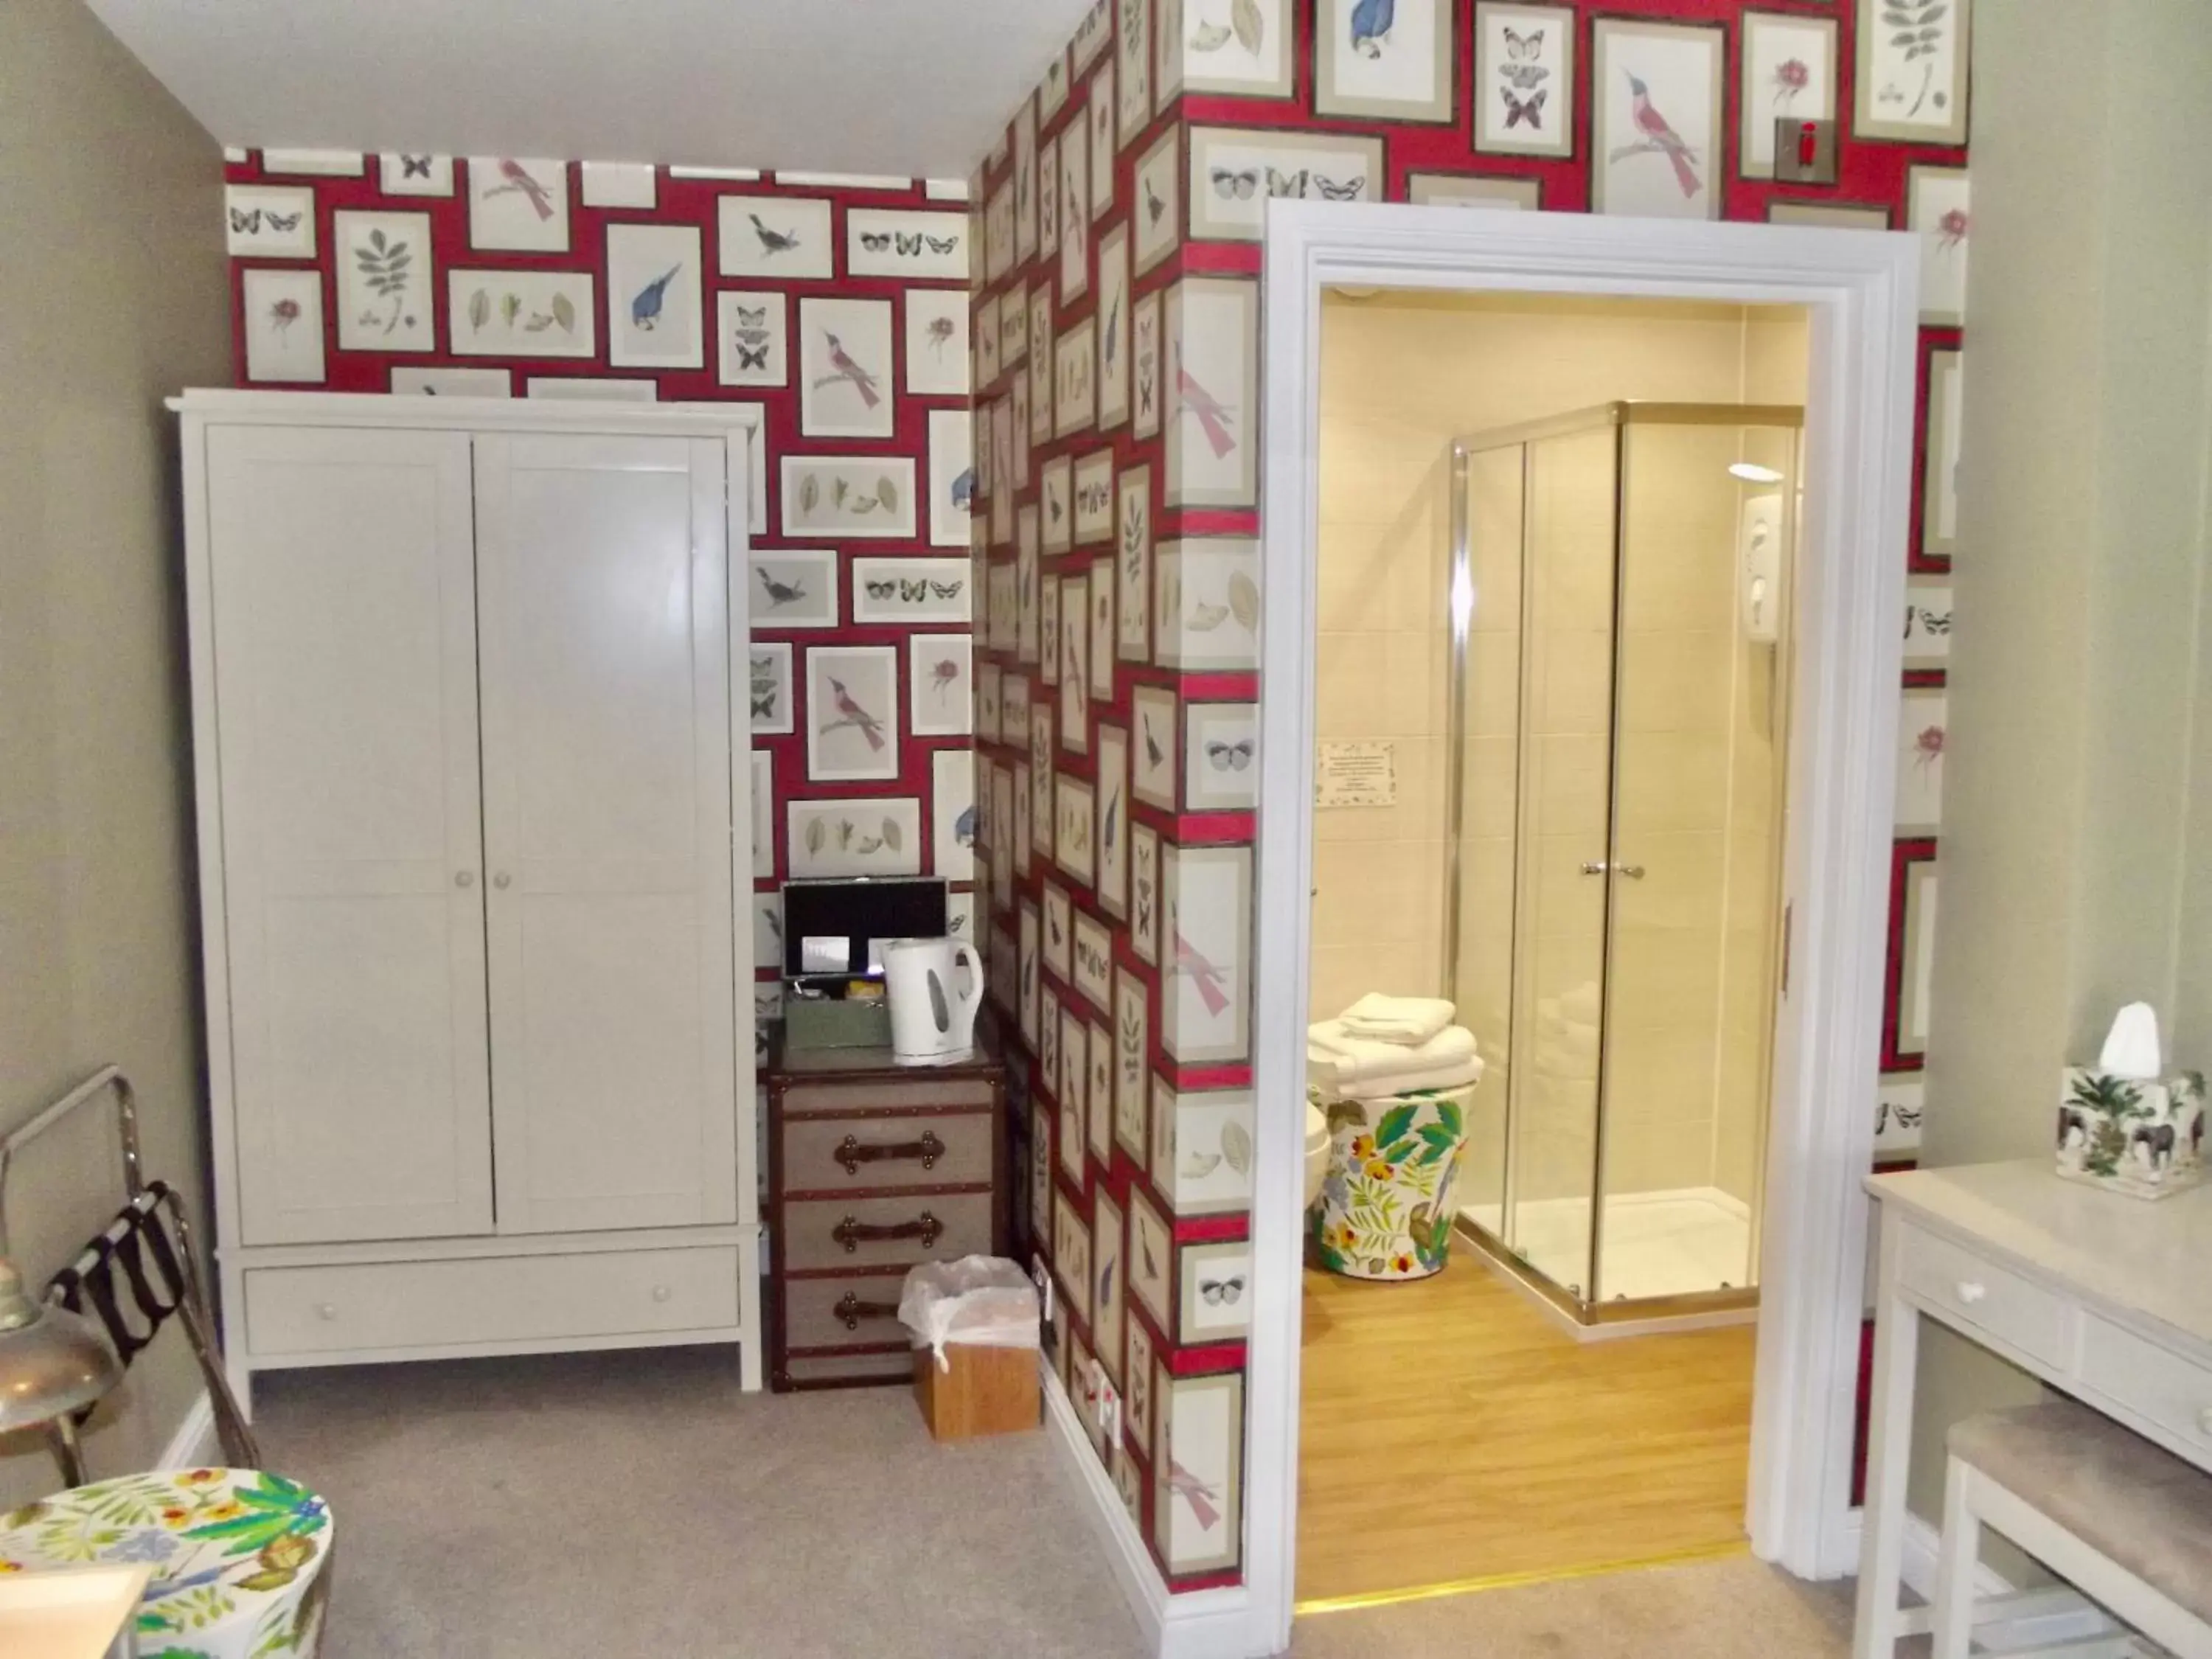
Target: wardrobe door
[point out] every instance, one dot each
(601, 567)
(345, 676)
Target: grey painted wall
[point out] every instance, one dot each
(113, 267)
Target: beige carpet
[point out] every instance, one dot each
(637, 1506)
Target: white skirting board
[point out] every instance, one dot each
(194, 1445)
(1212, 1624)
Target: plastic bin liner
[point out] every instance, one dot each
(979, 1301)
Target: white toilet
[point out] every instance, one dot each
(1317, 1142)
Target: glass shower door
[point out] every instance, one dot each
(1559, 962)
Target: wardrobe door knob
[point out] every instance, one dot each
(660, 1293)
(502, 880)
(464, 877)
(1970, 1292)
(326, 1311)
(2204, 1422)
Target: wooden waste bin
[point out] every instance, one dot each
(984, 1391)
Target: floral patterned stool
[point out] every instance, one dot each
(1385, 1210)
(241, 1559)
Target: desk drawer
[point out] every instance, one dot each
(2174, 1392)
(1975, 1292)
(437, 1304)
(832, 1154)
(883, 1232)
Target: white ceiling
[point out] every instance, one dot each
(917, 87)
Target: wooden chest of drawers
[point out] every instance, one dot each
(872, 1167)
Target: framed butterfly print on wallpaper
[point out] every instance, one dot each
(653, 286)
(752, 330)
(770, 685)
(275, 223)
(1385, 60)
(852, 713)
(913, 245)
(421, 175)
(898, 589)
(1524, 80)
(1655, 134)
(1236, 171)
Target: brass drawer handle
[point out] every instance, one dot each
(853, 1154)
(851, 1310)
(851, 1229)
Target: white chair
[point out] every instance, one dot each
(2126, 1524)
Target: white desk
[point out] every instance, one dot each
(2104, 1296)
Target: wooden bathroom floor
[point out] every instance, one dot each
(1451, 1432)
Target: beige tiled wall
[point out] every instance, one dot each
(1401, 378)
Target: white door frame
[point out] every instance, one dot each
(1860, 288)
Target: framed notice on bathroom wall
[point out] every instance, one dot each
(1357, 774)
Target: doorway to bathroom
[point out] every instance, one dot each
(1550, 714)
(1619, 667)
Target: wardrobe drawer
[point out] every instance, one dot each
(832, 1369)
(904, 1096)
(823, 1154)
(1975, 1291)
(883, 1232)
(2154, 1381)
(435, 1305)
(840, 1313)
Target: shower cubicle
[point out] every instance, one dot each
(1618, 583)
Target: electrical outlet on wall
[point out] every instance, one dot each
(1042, 1275)
(1109, 1410)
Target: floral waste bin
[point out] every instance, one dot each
(241, 1559)
(1386, 1203)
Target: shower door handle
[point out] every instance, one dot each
(1633, 872)
(1597, 868)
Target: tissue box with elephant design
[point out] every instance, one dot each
(2141, 1137)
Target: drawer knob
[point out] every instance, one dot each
(851, 1229)
(326, 1311)
(1970, 1292)
(660, 1293)
(2204, 1422)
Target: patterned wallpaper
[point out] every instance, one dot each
(836, 306)
(1117, 406)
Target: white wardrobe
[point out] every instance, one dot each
(474, 856)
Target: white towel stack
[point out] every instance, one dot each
(1384, 1046)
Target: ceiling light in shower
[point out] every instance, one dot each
(1752, 472)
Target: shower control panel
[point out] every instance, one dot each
(1758, 567)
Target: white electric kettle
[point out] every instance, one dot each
(931, 1023)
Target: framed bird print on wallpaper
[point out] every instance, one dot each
(845, 368)
(777, 237)
(794, 588)
(1385, 60)
(1524, 80)
(517, 205)
(653, 289)
(1655, 134)
(852, 713)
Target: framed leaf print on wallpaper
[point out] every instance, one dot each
(386, 300)
(852, 713)
(1524, 80)
(522, 313)
(1788, 72)
(653, 306)
(782, 237)
(1387, 60)
(1236, 171)
(1912, 77)
(1242, 47)
(845, 368)
(850, 497)
(1114, 328)
(518, 206)
(871, 837)
(1655, 133)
